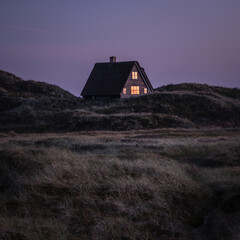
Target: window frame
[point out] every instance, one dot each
(135, 90)
(135, 75)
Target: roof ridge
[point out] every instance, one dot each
(116, 62)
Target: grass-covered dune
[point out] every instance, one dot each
(28, 106)
(137, 185)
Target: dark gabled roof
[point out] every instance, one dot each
(107, 78)
(110, 78)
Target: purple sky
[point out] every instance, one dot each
(59, 41)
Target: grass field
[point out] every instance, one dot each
(147, 184)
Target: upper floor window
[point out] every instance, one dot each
(124, 91)
(134, 75)
(134, 89)
(145, 90)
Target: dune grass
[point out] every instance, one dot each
(162, 184)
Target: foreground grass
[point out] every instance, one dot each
(162, 184)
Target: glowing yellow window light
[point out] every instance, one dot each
(145, 90)
(124, 91)
(134, 89)
(134, 75)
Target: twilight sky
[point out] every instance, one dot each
(59, 41)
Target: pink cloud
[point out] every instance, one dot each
(27, 29)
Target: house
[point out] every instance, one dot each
(117, 80)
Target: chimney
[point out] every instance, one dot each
(113, 59)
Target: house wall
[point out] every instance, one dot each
(134, 82)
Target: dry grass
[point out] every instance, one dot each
(161, 184)
(173, 106)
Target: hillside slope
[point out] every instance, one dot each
(201, 88)
(47, 108)
(15, 86)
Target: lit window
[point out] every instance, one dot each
(134, 89)
(145, 90)
(124, 91)
(134, 75)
